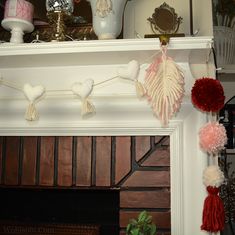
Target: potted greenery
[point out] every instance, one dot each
(143, 225)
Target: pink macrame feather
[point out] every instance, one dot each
(164, 83)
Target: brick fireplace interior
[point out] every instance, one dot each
(102, 181)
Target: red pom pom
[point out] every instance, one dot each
(208, 95)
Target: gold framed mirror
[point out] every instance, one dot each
(164, 20)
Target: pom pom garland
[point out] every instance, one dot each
(208, 95)
(212, 137)
(213, 176)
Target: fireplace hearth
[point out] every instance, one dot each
(59, 211)
(16, 228)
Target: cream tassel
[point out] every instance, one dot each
(87, 107)
(31, 113)
(140, 89)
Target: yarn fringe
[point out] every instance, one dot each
(140, 89)
(31, 113)
(87, 108)
(213, 211)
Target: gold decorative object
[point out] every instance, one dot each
(56, 20)
(164, 20)
(43, 33)
(57, 12)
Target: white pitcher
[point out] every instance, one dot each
(107, 17)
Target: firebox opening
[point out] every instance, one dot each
(68, 206)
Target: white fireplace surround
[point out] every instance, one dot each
(118, 110)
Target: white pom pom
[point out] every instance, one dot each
(213, 176)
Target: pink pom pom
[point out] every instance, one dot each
(212, 137)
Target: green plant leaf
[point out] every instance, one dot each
(145, 228)
(133, 221)
(142, 216)
(142, 226)
(128, 228)
(149, 219)
(153, 229)
(135, 231)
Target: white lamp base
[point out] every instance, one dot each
(18, 28)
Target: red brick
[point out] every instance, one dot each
(103, 161)
(65, 145)
(123, 157)
(12, 160)
(165, 140)
(145, 199)
(47, 161)
(83, 174)
(148, 179)
(160, 157)
(142, 144)
(29, 161)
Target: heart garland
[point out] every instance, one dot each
(132, 72)
(33, 94)
(83, 90)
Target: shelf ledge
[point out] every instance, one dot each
(182, 43)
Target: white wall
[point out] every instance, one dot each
(137, 12)
(229, 89)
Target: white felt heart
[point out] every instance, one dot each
(83, 89)
(33, 93)
(131, 71)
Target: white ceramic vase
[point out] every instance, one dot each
(107, 17)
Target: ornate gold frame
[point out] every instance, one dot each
(164, 20)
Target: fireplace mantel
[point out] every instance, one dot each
(118, 111)
(115, 51)
(59, 65)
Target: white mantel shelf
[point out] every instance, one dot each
(178, 43)
(89, 52)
